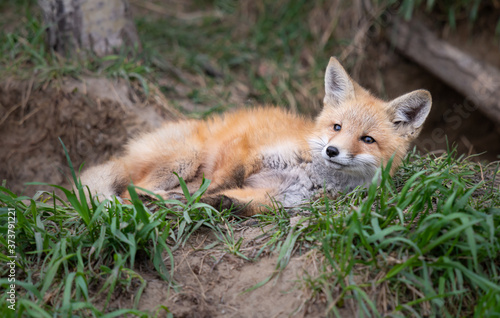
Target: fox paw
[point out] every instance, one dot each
(220, 202)
(171, 195)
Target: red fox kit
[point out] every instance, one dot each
(254, 155)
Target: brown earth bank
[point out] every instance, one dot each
(93, 117)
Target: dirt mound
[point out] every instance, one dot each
(93, 117)
(214, 283)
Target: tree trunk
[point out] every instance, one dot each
(100, 26)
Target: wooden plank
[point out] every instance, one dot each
(476, 80)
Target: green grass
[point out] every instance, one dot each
(84, 252)
(429, 244)
(450, 9)
(426, 239)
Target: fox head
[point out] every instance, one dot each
(356, 132)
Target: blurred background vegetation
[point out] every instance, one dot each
(199, 57)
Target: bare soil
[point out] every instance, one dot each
(93, 118)
(214, 283)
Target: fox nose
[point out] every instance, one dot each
(332, 152)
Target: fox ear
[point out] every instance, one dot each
(411, 110)
(338, 84)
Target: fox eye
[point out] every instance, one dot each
(337, 127)
(368, 139)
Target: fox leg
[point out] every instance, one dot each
(245, 201)
(150, 161)
(161, 178)
(112, 178)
